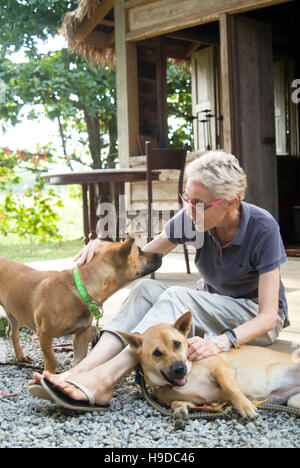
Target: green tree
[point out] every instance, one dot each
(77, 95)
(24, 22)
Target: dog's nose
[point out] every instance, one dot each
(178, 370)
(157, 256)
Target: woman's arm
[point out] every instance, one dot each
(160, 244)
(268, 292)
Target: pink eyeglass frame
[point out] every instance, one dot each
(194, 205)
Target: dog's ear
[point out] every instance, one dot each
(134, 340)
(126, 247)
(183, 324)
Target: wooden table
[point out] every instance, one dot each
(102, 185)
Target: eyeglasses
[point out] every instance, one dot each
(184, 197)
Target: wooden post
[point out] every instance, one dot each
(226, 81)
(127, 88)
(92, 212)
(162, 105)
(248, 104)
(86, 222)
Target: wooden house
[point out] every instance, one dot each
(244, 60)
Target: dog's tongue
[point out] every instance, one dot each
(182, 381)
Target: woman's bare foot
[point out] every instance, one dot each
(99, 380)
(101, 389)
(37, 377)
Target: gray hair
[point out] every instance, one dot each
(220, 172)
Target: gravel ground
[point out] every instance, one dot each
(29, 422)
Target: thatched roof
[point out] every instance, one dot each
(89, 30)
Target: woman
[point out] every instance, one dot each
(239, 300)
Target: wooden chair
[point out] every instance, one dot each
(162, 159)
(142, 139)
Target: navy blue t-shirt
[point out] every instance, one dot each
(233, 270)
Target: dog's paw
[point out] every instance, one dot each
(180, 419)
(248, 410)
(25, 358)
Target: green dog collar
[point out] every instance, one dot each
(93, 307)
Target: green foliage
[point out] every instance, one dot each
(33, 213)
(37, 219)
(57, 85)
(75, 191)
(80, 97)
(180, 103)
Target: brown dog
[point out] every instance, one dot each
(48, 301)
(238, 376)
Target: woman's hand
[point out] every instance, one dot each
(199, 348)
(87, 253)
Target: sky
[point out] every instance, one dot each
(28, 134)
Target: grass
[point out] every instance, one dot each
(31, 252)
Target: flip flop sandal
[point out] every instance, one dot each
(64, 400)
(38, 391)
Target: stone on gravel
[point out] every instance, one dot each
(130, 422)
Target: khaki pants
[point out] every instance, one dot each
(151, 302)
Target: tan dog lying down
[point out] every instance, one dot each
(237, 376)
(48, 302)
